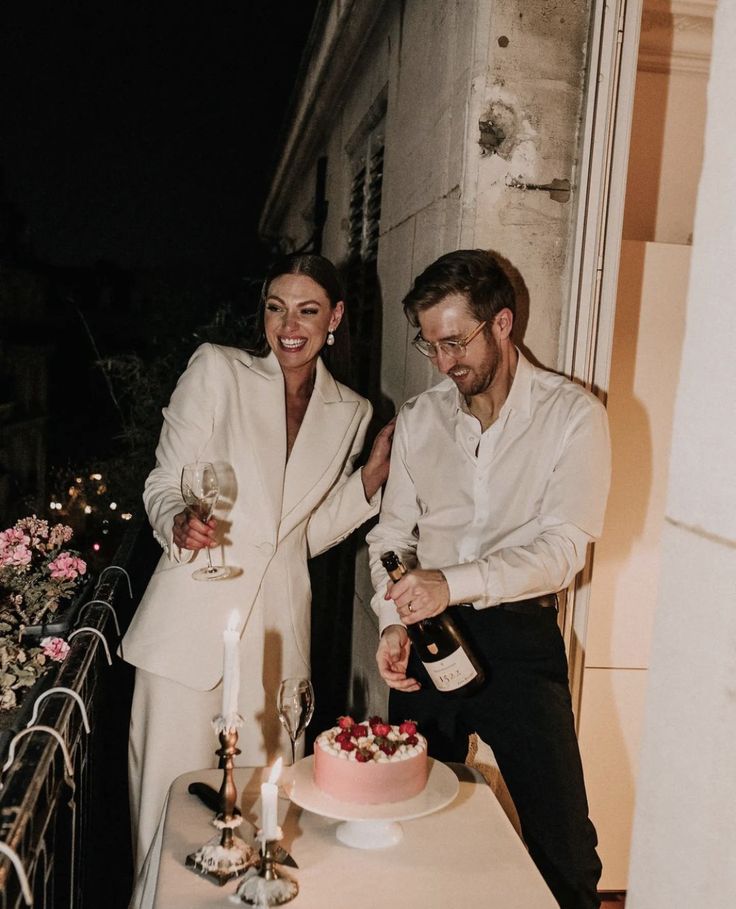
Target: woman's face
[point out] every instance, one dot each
(297, 316)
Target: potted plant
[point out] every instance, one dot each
(40, 582)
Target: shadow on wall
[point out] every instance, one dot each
(647, 146)
(521, 291)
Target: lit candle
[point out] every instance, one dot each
(269, 803)
(231, 669)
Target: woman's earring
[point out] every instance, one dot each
(330, 338)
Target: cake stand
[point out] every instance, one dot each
(373, 826)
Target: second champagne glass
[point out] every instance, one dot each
(295, 705)
(200, 490)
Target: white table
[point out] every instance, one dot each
(464, 855)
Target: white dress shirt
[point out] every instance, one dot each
(507, 513)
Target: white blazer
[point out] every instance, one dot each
(229, 408)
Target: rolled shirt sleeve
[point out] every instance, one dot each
(570, 517)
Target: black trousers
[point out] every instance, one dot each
(524, 712)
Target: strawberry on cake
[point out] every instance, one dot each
(371, 762)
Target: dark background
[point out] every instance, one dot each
(142, 134)
(137, 142)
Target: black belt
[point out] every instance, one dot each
(532, 605)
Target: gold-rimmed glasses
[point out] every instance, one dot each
(456, 349)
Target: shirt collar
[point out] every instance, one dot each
(520, 395)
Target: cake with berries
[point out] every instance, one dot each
(370, 763)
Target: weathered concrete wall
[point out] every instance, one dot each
(532, 94)
(448, 64)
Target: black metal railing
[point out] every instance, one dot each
(64, 831)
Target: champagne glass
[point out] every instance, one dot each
(295, 705)
(200, 490)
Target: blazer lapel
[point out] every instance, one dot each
(266, 407)
(319, 439)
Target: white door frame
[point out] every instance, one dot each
(585, 347)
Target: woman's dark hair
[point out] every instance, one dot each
(475, 273)
(324, 273)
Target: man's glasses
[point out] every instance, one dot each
(456, 349)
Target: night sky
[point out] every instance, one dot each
(143, 133)
(137, 141)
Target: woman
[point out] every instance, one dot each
(284, 436)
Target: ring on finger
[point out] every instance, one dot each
(410, 607)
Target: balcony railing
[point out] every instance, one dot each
(64, 830)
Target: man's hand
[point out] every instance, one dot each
(392, 657)
(420, 594)
(191, 533)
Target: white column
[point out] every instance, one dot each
(684, 842)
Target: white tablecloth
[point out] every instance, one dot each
(462, 856)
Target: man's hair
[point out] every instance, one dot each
(475, 273)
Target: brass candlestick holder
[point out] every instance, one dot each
(225, 856)
(263, 885)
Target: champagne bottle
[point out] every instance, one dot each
(442, 647)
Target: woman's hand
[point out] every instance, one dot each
(191, 533)
(375, 472)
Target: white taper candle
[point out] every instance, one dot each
(269, 803)
(231, 667)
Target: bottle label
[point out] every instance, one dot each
(453, 672)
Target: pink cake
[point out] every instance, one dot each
(370, 763)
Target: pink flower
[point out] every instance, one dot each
(67, 567)
(12, 536)
(16, 556)
(36, 528)
(54, 648)
(59, 533)
(14, 549)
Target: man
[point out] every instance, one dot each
(498, 483)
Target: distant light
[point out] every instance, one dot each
(96, 547)
(113, 506)
(126, 515)
(88, 509)
(77, 479)
(95, 476)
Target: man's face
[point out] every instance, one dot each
(452, 320)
